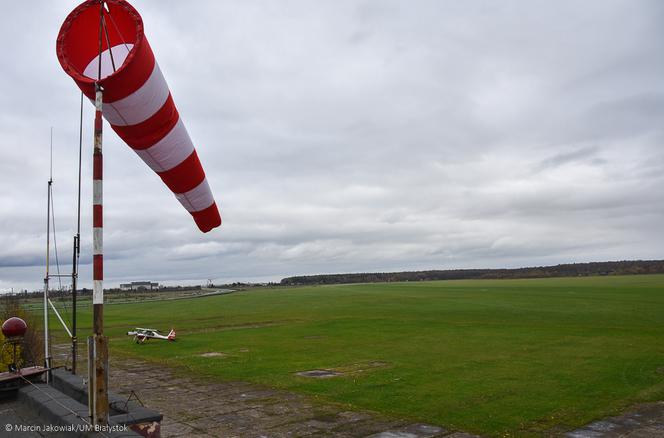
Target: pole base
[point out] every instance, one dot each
(98, 379)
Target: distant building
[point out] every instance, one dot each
(139, 285)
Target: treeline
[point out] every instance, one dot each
(631, 267)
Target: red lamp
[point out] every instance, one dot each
(14, 327)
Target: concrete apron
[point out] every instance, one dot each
(63, 402)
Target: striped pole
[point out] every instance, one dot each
(98, 342)
(98, 219)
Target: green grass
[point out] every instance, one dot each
(496, 357)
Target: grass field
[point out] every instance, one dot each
(496, 357)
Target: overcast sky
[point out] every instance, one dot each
(353, 136)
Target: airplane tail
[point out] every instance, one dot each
(171, 335)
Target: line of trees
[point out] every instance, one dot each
(628, 267)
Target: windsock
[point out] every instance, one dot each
(136, 99)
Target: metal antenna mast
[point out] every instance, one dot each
(47, 355)
(77, 249)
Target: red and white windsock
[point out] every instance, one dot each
(137, 101)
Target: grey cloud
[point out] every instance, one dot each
(355, 136)
(569, 157)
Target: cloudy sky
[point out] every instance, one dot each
(351, 136)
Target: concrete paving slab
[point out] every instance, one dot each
(393, 434)
(242, 409)
(646, 420)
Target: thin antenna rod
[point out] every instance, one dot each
(50, 178)
(80, 155)
(77, 248)
(47, 358)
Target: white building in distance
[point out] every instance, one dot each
(139, 285)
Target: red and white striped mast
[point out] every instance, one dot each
(140, 108)
(98, 343)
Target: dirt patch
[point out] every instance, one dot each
(361, 367)
(319, 374)
(213, 354)
(350, 369)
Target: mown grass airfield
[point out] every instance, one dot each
(495, 357)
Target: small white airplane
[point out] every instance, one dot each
(143, 334)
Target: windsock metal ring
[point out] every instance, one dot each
(137, 101)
